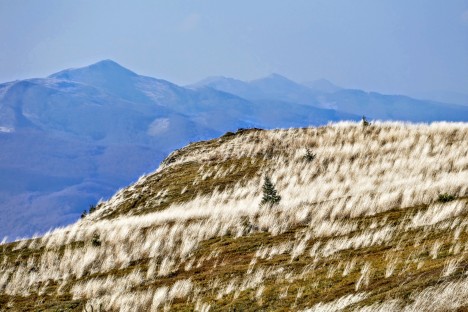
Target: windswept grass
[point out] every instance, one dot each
(360, 226)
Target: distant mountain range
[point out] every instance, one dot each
(324, 94)
(78, 135)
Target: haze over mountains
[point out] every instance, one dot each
(78, 135)
(324, 94)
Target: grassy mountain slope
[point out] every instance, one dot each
(362, 226)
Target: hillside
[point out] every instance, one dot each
(376, 221)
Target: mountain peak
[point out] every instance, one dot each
(276, 81)
(109, 64)
(275, 77)
(213, 80)
(104, 67)
(224, 84)
(322, 85)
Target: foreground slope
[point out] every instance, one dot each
(360, 227)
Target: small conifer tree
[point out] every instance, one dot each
(309, 156)
(365, 123)
(95, 240)
(270, 195)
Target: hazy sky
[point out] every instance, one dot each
(392, 46)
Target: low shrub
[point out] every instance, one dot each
(445, 198)
(309, 156)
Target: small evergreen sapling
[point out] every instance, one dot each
(92, 208)
(95, 240)
(309, 156)
(270, 195)
(365, 123)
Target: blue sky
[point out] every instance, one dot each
(390, 46)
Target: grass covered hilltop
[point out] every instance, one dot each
(365, 218)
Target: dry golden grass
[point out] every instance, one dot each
(359, 227)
